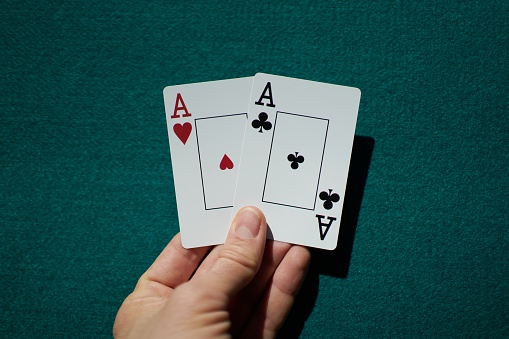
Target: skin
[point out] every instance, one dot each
(244, 288)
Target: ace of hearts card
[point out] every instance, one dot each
(296, 155)
(206, 123)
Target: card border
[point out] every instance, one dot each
(199, 157)
(321, 162)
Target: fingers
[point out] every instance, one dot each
(209, 261)
(238, 261)
(246, 301)
(175, 264)
(280, 295)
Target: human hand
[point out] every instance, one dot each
(243, 288)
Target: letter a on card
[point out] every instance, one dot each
(180, 106)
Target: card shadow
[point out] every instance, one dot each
(335, 263)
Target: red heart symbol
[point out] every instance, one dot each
(226, 163)
(183, 131)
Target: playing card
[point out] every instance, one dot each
(296, 155)
(206, 124)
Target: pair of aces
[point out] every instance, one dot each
(278, 143)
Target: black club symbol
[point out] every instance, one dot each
(295, 160)
(328, 199)
(262, 122)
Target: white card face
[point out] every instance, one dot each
(206, 124)
(219, 147)
(295, 162)
(296, 155)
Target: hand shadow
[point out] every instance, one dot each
(335, 263)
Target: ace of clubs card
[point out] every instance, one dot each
(296, 156)
(206, 123)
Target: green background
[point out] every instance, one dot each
(86, 185)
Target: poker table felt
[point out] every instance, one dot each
(86, 184)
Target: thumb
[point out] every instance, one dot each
(241, 256)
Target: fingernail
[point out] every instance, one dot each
(247, 223)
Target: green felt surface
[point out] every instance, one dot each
(86, 186)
